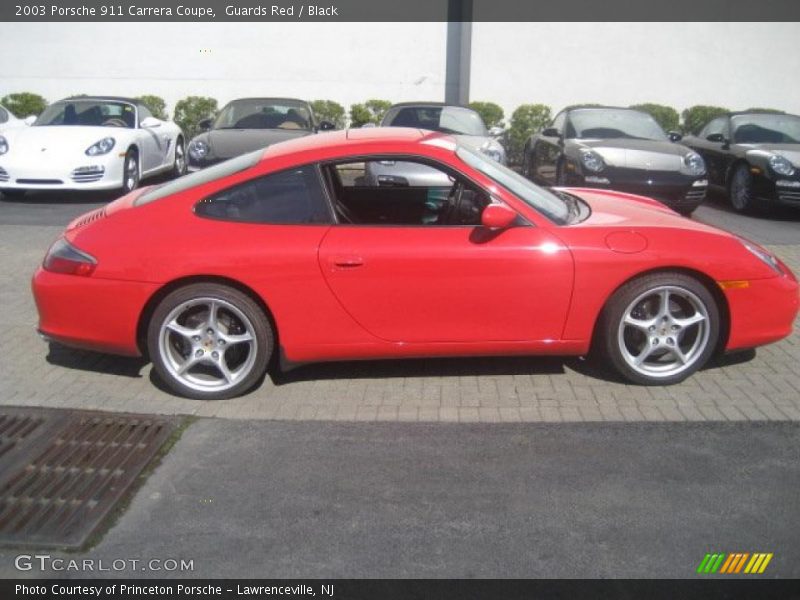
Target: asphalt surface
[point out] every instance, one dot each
(270, 499)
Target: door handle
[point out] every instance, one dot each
(347, 262)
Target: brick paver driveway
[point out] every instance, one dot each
(764, 387)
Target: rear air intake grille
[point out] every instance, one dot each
(90, 217)
(40, 181)
(3, 175)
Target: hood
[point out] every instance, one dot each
(227, 143)
(638, 154)
(45, 140)
(617, 209)
(790, 152)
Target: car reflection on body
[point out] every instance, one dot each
(754, 157)
(620, 149)
(278, 253)
(433, 116)
(248, 124)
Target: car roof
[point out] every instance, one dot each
(759, 112)
(111, 98)
(427, 103)
(342, 140)
(270, 99)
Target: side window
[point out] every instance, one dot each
(292, 197)
(402, 192)
(718, 125)
(558, 122)
(3, 115)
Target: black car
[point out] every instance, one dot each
(754, 157)
(620, 149)
(248, 124)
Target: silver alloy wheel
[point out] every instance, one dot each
(180, 159)
(131, 171)
(741, 193)
(208, 344)
(664, 331)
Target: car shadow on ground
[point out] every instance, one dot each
(86, 360)
(719, 201)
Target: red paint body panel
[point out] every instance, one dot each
(342, 291)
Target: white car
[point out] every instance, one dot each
(89, 143)
(8, 120)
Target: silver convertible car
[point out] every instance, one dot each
(433, 116)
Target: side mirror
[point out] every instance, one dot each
(551, 132)
(496, 132)
(716, 137)
(30, 120)
(326, 126)
(675, 136)
(204, 125)
(150, 123)
(497, 216)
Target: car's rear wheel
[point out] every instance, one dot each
(660, 328)
(740, 190)
(179, 167)
(130, 171)
(209, 341)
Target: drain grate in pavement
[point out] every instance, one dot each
(67, 478)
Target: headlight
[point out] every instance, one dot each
(494, 151)
(592, 161)
(763, 255)
(776, 162)
(104, 146)
(695, 164)
(3, 145)
(198, 149)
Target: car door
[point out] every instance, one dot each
(548, 151)
(154, 142)
(426, 277)
(715, 152)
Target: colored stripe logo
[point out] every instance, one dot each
(735, 563)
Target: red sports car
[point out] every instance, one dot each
(288, 252)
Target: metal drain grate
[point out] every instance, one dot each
(14, 429)
(73, 475)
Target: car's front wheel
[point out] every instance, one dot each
(209, 341)
(660, 328)
(740, 190)
(179, 166)
(130, 171)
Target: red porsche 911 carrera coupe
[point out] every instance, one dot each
(288, 251)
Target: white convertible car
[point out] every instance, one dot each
(8, 120)
(89, 143)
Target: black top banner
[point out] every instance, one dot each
(399, 10)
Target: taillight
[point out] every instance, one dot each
(63, 257)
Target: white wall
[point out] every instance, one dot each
(346, 62)
(737, 65)
(734, 65)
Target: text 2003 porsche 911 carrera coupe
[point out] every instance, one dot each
(285, 250)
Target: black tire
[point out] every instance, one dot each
(561, 174)
(740, 189)
(13, 193)
(180, 165)
(131, 172)
(237, 315)
(659, 342)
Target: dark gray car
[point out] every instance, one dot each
(247, 124)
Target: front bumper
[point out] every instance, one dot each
(782, 190)
(90, 313)
(680, 192)
(93, 173)
(763, 312)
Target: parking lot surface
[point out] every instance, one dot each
(764, 387)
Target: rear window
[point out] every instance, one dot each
(218, 171)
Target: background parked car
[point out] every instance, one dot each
(89, 143)
(617, 148)
(8, 119)
(248, 124)
(754, 157)
(433, 116)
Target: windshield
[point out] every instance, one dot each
(615, 123)
(766, 129)
(545, 202)
(218, 171)
(91, 113)
(446, 119)
(263, 113)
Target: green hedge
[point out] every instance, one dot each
(371, 111)
(490, 112)
(191, 110)
(695, 117)
(525, 121)
(328, 110)
(24, 104)
(155, 104)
